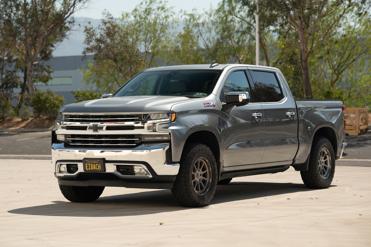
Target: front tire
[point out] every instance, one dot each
(197, 179)
(321, 167)
(81, 194)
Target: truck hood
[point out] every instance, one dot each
(126, 104)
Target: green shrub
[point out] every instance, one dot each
(25, 112)
(85, 95)
(6, 108)
(46, 103)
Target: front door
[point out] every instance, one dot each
(241, 139)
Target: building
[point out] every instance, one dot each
(67, 76)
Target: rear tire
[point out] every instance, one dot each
(321, 167)
(81, 194)
(197, 179)
(225, 181)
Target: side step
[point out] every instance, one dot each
(250, 172)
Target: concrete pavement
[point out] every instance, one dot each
(265, 210)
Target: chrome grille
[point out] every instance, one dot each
(101, 118)
(103, 140)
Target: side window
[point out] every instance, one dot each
(266, 87)
(236, 82)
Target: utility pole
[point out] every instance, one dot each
(257, 38)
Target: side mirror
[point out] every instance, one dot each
(237, 98)
(107, 95)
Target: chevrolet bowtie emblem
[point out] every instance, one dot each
(95, 127)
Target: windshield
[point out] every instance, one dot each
(189, 83)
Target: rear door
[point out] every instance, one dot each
(279, 118)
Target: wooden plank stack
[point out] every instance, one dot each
(356, 120)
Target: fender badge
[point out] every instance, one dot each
(209, 104)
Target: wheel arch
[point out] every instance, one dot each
(328, 133)
(207, 138)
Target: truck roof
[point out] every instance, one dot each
(214, 66)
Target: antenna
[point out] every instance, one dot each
(213, 64)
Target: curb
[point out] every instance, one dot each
(25, 156)
(16, 131)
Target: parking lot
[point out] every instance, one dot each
(258, 210)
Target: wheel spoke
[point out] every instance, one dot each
(202, 186)
(201, 175)
(324, 163)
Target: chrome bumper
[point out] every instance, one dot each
(151, 158)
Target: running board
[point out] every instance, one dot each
(250, 172)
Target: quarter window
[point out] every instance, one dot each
(266, 86)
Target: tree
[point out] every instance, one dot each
(185, 47)
(244, 11)
(34, 28)
(152, 22)
(116, 54)
(215, 36)
(8, 76)
(314, 22)
(124, 46)
(342, 69)
(233, 29)
(333, 59)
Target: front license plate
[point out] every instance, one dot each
(94, 165)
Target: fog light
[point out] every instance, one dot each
(133, 170)
(125, 170)
(62, 168)
(72, 168)
(140, 171)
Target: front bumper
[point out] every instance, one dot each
(150, 159)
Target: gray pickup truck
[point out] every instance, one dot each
(189, 128)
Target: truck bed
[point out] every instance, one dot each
(314, 114)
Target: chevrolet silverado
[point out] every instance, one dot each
(189, 128)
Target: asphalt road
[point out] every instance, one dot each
(31, 143)
(264, 210)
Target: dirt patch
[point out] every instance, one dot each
(31, 123)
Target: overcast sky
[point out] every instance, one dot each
(95, 8)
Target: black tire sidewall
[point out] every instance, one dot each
(312, 177)
(183, 189)
(81, 194)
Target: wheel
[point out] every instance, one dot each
(321, 168)
(197, 179)
(81, 194)
(225, 181)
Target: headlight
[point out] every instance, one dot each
(158, 116)
(163, 116)
(159, 122)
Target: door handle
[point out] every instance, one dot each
(257, 115)
(291, 114)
